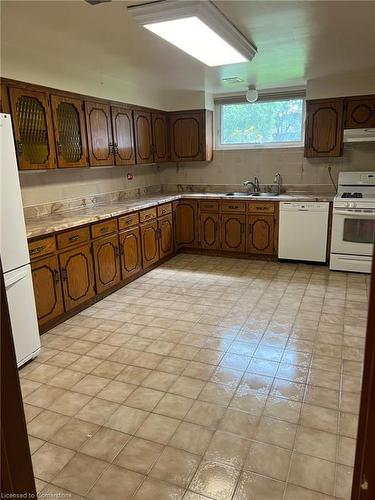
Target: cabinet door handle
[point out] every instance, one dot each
(74, 238)
(121, 250)
(56, 276)
(104, 229)
(110, 147)
(233, 207)
(115, 148)
(117, 251)
(36, 250)
(59, 148)
(64, 274)
(20, 148)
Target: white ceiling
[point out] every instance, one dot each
(296, 40)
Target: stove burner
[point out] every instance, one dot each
(351, 195)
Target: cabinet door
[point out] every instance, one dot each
(261, 230)
(186, 224)
(32, 126)
(70, 131)
(77, 275)
(47, 289)
(99, 130)
(107, 262)
(143, 137)
(360, 113)
(324, 128)
(209, 231)
(186, 136)
(160, 136)
(165, 226)
(123, 136)
(130, 249)
(150, 248)
(233, 235)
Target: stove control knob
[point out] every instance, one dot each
(352, 204)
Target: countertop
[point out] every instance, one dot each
(58, 221)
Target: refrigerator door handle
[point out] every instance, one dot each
(14, 278)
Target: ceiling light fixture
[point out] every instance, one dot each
(251, 94)
(196, 27)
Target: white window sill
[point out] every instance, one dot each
(280, 145)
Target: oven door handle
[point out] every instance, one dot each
(370, 215)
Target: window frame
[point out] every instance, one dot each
(271, 145)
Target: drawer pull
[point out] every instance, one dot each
(104, 229)
(56, 276)
(64, 274)
(233, 206)
(74, 238)
(36, 250)
(128, 221)
(147, 216)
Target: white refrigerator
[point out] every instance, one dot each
(14, 252)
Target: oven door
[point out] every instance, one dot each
(353, 231)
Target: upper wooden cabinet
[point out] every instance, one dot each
(191, 135)
(324, 128)
(123, 136)
(160, 137)
(32, 126)
(143, 137)
(70, 131)
(360, 113)
(99, 130)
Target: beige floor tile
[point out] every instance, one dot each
(69, 403)
(105, 444)
(318, 417)
(277, 432)
(43, 373)
(205, 414)
(45, 424)
(158, 428)
(217, 393)
(44, 396)
(31, 411)
(74, 433)
(312, 473)
(115, 482)
(254, 487)
(173, 365)
(80, 474)
(85, 364)
(160, 381)
(108, 369)
(35, 444)
(283, 409)
(126, 419)
(316, 443)
(133, 374)
(153, 488)
(173, 406)
(91, 385)
(348, 424)
(28, 386)
(217, 481)
(228, 449)
(294, 492)
(97, 411)
(191, 437)
(144, 398)
(116, 391)
(66, 378)
(238, 422)
(139, 455)
(49, 460)
(187, 387)
(175, 466)
(344, 480)
(268, 460)
(52, 491)
(319, 396)
(346, 451)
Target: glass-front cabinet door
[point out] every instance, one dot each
(70, 134)
(32, 126)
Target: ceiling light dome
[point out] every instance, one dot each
(251, 94)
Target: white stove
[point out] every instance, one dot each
(353, 226)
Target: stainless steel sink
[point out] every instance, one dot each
(238, 194)
(265, 195)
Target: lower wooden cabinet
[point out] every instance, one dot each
(150, 247)
(186, 219)
(165, 235)
(130, 250)
(261, 231)
(77, 274)
(233, 234)
(106, 253)
(47, 289)
(209, 235)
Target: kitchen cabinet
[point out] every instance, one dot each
(150, 247)
(33, 130)
(260, 236)
(99, 131)
(160, 137)
(191, 135)
(106, 252)
(123, 135)
(360, 113)
(70, 131)
(165, 235)
(209, 234)
(77, 274)
(130, 251)
(47, 289)
(143, 137)
(186, 224)
(324, 128)
(233, 234)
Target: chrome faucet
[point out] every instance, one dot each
(255, 184)
(278, 181)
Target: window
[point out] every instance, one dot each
(265, 123)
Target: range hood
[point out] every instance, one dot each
(359, 135)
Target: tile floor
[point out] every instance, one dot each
(208, 378)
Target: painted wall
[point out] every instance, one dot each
(359, 83)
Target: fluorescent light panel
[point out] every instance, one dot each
(194, 37)
(196, 27)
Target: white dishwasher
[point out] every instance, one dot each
(303, 231)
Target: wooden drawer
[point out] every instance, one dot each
(209, 206)
(42, 247)
(73, 237)
(233, 206)
(264, 207)
(164, 209)
(146, 215)
(104, 228)
(128, 220)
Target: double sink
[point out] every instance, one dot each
(250, 195)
